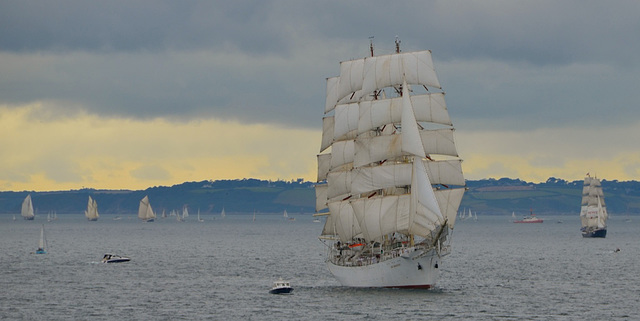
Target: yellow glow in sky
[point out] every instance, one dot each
(47, 153)
(41, 152)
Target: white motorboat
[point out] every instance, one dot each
(281, 287)
(113, 258)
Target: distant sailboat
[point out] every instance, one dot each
(199, 219)
(145, 212)
(27, 209)
(185, 213)
(164, 215)
(42, 244)
(222, 214)
(92, 210)
(593, 211)
(287, 216)
(254, 215)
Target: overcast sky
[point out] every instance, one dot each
(132, 94)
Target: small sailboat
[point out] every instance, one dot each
(42, 244)
(185, 213)
(254, 215)
(287, 216)
(222, 214)
(199, 219)
(92, 210)
(27, 209)
(145, 212)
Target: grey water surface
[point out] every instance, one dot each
(222, 269)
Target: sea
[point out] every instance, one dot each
(222, 269)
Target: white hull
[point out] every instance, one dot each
(416, 270)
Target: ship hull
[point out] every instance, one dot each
(601, 233)
(416, 270)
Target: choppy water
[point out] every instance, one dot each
(223, 269)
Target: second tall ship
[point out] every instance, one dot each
(593, 211)
(392, 181)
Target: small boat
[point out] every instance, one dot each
(42, 245)
(92, 210)
(145, 212)
(113, 258)
(530, 219)
(281, 287)
(593, 211)
(27, 209)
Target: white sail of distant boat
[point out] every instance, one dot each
(42, 244)
(164, 214)
(222, 214)
(27, 208)
(513, 214)
(145, 212)
(199, 219)
(14, 217)
(49, 217)
(391, 177)
(254, 215)
(285, 214)
(92, 210)
(185, 212)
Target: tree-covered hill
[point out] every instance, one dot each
(487, 197)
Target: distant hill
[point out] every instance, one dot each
(487, 197)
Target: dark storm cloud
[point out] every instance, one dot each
(266, 61)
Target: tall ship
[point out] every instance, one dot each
(145, 212)
(389, 177)
(27, 209)
(92, 210)
(593, 211)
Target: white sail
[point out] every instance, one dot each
(145, 212)
(346, 121)
(346, 224)
(42, 244)
(411, 140)
(378, 148)
(391, 70)
(27, 208)
(351, 77)
(377, 113)
(321, 197)
(324, 164)
(223, 214)
(185, 212)
(92, 210)
(327, 132)
(368, 179)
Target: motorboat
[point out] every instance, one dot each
(113, 258)
(281, 287)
